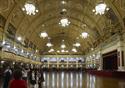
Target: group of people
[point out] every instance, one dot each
(22, 78)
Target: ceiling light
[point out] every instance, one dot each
(63, 2)
(66, 51)
(8, 46)
(3, 42)
(77, 44)
(36, 51)
(43, 34)
(84, 35)
(64, 10)
(19, 38)
(74, 50)
(58, 51)
(63, 46)
(30, 8)
(22, 51)
(2, 62)
(49, 44)
(64, 22)
(51, 50)
(62, 51)
(100, 8)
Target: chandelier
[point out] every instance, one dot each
(77, 44)
(43, 35)
(49, 44)
(74, 50)
(63, 46)
(30, 8)
(64, 22)
(100, 8)
(84, 35)
(51, 50)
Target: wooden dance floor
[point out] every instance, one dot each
(79, 79)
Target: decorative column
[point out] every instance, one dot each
(121, 60)
(100, 63)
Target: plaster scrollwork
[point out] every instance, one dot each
(5, 5)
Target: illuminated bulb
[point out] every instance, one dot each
(22, 51)
(58, 51)
(67, 51)
(64, 10)
(62, 51)
(2, 62)
(13, 63)
(30, 8)
(64, 22)
(3, 42)
(84, 35)
(36, 51)
(63, 2)
(100, 8)
(49, 44)
(8, 46)
(74, 50)
(77, 44)
(51, 50)
(43, 34)
(63, 46)
(19, 38)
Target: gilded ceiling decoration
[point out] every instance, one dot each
(62, 20)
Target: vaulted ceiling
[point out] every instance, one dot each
(79, 13)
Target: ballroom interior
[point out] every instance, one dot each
(81, 42)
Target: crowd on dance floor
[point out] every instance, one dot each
(21, 77)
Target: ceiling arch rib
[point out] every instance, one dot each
(115, 9)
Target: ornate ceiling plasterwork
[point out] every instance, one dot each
(79, 12)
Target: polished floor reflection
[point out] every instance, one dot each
(79, 79)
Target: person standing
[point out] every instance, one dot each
(7, 77)
(41, 78)
(17, 82)
(32, 78)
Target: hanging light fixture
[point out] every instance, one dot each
(30, 8)
(19, 38)
(49, 44)
(62, 51)
(63, 2)
(100, 8)
(63, 46)
(64, 10)
(77, 44)
(51, 50)
(58, 51)
(64, 22)
(84, 35)
(43, 35)
(74, 50)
